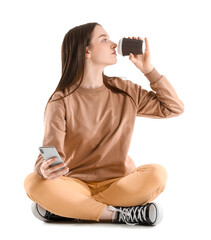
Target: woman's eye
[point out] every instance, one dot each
(104, 39)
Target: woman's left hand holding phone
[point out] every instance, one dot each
(52, 172)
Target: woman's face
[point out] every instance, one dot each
(101, 49)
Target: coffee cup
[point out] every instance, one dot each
(126, 46)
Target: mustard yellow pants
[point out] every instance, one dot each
(73, 198)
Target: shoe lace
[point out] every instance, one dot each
(132, 215)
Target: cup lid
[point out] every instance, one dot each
(119, 46)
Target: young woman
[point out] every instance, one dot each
(90, 119)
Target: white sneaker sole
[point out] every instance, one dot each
(159, 213)
(37, 214)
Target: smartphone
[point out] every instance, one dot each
(49, 152)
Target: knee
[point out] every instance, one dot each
(155, 172)
(159, 174)
(31, 182)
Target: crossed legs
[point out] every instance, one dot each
(71, 197)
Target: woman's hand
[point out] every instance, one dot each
(142, 61)
(50, 172)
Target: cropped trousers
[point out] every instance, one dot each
(73, 198)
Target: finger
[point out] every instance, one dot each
(48, 162)
(55, 168)
(51, 160)
(58, 174)
(139, 38)
(131, 57)
(147, 44)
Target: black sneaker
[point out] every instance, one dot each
(148, 214)
(46, 216)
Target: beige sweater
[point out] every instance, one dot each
(92, 128)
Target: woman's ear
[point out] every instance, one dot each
(87, 53)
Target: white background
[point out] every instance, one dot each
(30, 54)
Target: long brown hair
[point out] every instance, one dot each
(73, 59)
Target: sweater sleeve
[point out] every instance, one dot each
(55, 130)
(163, 102)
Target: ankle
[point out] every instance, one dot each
(107, 215)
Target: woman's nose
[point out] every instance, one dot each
(114, 45)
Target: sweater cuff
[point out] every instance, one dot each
(153, 76)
